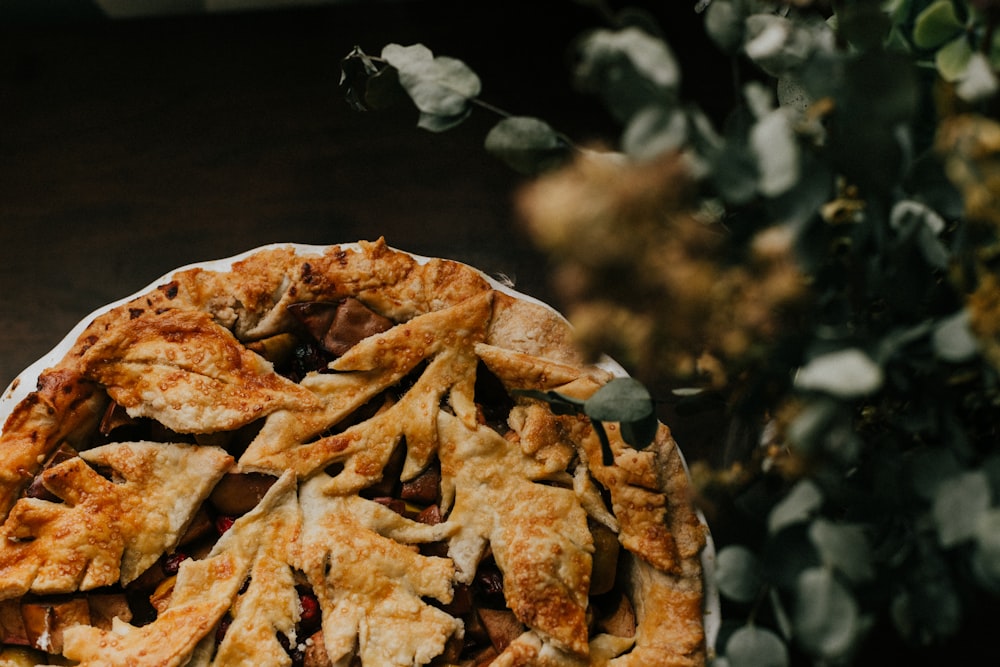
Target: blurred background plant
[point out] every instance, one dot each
(822, 268)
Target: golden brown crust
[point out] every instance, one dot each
(524, 496)
(62, 408)
(99, 532)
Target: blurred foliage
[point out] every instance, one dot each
(825, 263)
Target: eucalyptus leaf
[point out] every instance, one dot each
(864, 25)
(959, 503)
(773, 142)
(928, 468)
(787, 553)
(847, 373)
(843, 547)
(936, 24)
(629, 68)
(921, 223)
(734, 173)
(752, 646)
(907, 212)
(979, 81)
(826, 616)
(799, 505)
(356, 69)
(953, 59)
(810, 426)
(383, 89)
(792, 94)
(527, 145)
(622, 399)
(724, 24)
(953, 338)
(779, 45)
(927, 607)
(655, 130)
(933, 249)
(440, 87)
(640, 433)
(986, 557)
(433, 122)
(738, 573)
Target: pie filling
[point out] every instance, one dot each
(371, 526)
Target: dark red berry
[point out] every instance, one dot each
(172, 562)
(222, 629)
(310, 608)
(224, 523)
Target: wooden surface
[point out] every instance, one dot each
(129, 148)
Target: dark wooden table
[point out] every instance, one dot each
(131, 147)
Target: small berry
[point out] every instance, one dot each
(310, 608)
(224, 523)
(172, 562)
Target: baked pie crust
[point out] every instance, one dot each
(491, 555)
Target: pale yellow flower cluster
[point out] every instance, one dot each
(649, 278)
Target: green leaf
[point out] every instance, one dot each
(623, 399)
(773, 142)
(848, 373)
(928, 606)
(439, 123)
(953, 339)
(356, 68)
(787, 553)
(383, 90)
(928, 468)
(812, 424)
(936, 24)
(801, 503)
(627, 401)
(908, 212)
(952, 59)
(779, 45)
(959, 503)
(792, 94)
(640, 433)
(922, 223)
(826, 617)
(843, 547)
(864, 25)
(751, 646)
(738, 573)
(979, 81)
(527, 145)
(654, 131)
(440, 87)
(986, 557)
(629, 68)
(724, 25)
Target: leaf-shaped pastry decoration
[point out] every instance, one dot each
(187, 372)
(64, 406)
(270, 604)
(538, 533)
(371, 588)
(259, 544)
(105, 530)
(444, 338)
(170, 640)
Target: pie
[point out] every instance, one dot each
(328, 458)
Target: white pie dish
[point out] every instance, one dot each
(26, 382)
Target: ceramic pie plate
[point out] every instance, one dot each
(26, 381)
